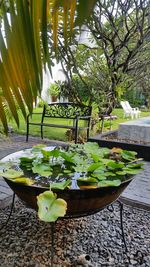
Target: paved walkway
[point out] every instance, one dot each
(137, 194)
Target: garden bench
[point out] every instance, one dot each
(71, 111)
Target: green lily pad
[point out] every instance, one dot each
(108, 174)
(128, 155)
(43, 169)
(132, 171)
(38, 148)
(107, 183)
(11, 173)
(23, 180)
(61, 185)
(5, 165)
(115, 165)
(121, 172)
(99, 176)
(50, 208)
(135, 166)
(67, 157)
(50, 153)
(94, 166)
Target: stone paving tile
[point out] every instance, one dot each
(137, 194)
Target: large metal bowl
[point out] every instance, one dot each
(80, 202)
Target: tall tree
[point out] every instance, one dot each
(120, 31)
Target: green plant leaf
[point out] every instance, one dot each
(49, 207)
(100, 170)
(5, 165)
(11, 174)
(94, 166)
(67, 156)
(38, 148)
(110, 174)
(27, 161)
(135, 166)
(106, 183)
(121, 172)
(128, 155)
(50, 153)
(61, 185)
(106, 161)
(99, 176)
(89, 147)
(132, 171)
(115, 165)
(43, 169)
(23, 180)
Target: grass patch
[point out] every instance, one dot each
(60, 134)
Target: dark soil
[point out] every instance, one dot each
(113, 136)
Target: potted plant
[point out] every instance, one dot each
(54, 91)
(77, 180)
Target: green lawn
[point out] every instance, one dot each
(59, 134)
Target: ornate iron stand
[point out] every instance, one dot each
(111, 209)
(53, 225)
(10, 213)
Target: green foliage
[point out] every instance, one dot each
(135, 97)
(11, 174)
(61, 185)
(109, 183)
(50, 208)
(54, 89)
(42, 169)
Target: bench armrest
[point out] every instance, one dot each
(83, 117)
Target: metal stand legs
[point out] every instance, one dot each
(10, 213)
(121, 225)
(111, 209)
(52, 243)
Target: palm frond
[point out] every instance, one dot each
(24, 50)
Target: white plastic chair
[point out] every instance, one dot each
(129, 111)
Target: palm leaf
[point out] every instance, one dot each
(25, 49)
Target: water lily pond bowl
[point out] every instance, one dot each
(80, 201)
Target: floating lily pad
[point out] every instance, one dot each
(50, 153)
(11, 173)
(131, 171)
(106, 183)
(43, 169)
(23, 180)
(128, 155)
(99, 176)
(94, 166)
(61, 185)
(38, 148)
(115, 165)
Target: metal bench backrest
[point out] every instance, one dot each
(66, 110)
